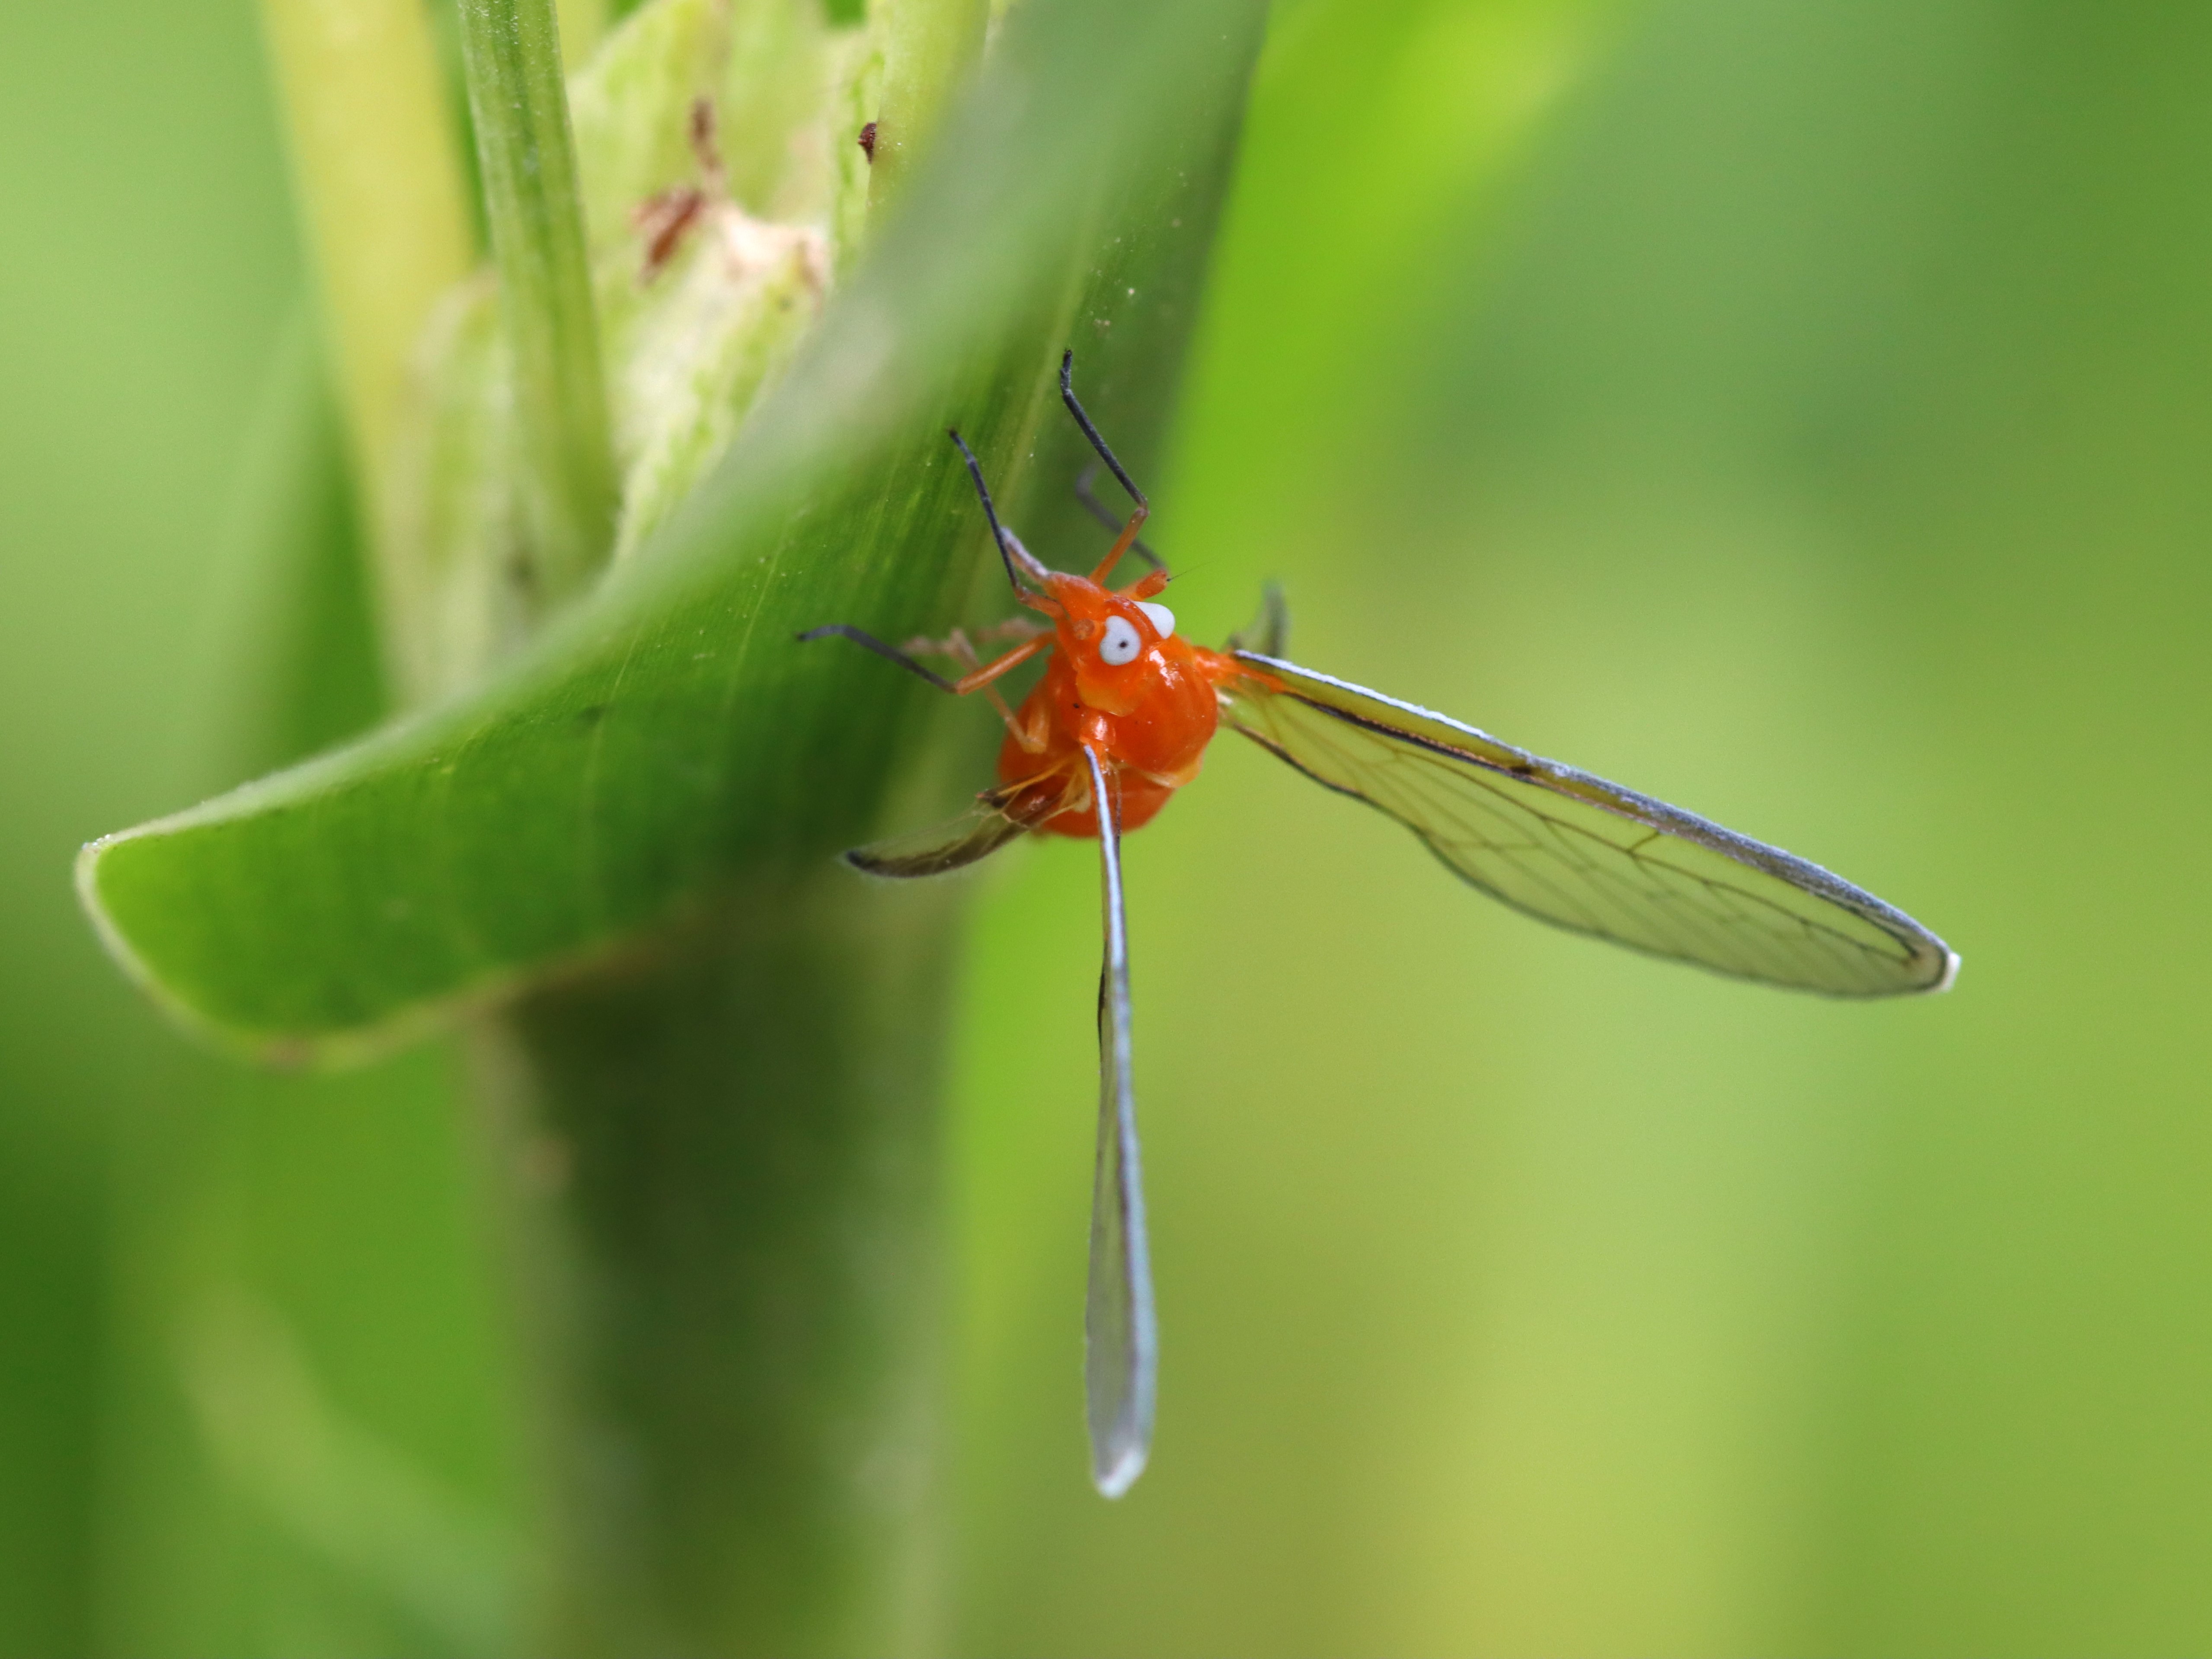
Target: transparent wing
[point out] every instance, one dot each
(1576, 851)
(1268, 634)
(1121, 1350)
(998, 816)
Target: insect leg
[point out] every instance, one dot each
(959, 646)
(1032, 728)
(960, 688)
(1019, 559)
(889, 653)
(980, 678)
(1122, 543)
(960, 642)
(1098, 510)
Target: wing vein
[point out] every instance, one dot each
(1575, 850)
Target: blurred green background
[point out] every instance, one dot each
(1799, 412)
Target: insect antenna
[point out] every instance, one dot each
(1075, 407)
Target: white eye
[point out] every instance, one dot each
(1162, 618)
(1121, 644)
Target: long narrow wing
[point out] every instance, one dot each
(1122, 1352)
(1576, 851)
(998, 816)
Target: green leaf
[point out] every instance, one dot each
(518, 99)
(668, 737)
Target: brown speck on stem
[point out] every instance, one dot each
(665, 218)
(868, 142)
(662, 220)
(705, 147)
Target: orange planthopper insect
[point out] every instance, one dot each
(1120, 721)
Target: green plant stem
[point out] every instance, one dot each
(377, 170)
(727, 1162)
(564, 461)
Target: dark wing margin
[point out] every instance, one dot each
(1122, 1335)
(1583, 854)
(998, 816)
